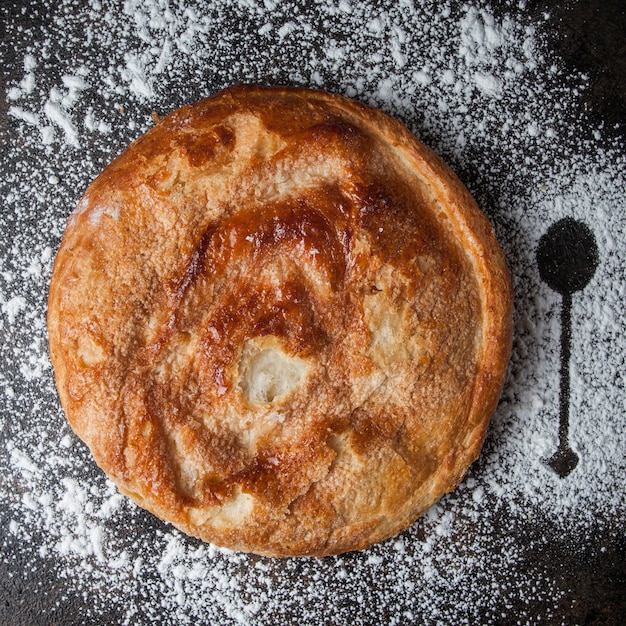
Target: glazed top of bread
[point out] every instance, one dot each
(280, 322)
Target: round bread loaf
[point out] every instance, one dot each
(280, 322)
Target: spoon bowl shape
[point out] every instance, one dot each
(567, 256)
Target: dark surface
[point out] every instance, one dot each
(592, 571)
(589, 35)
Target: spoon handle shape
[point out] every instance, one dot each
(565, 459)
(566, 338)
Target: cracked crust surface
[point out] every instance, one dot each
(280, 322)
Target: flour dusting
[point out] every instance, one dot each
(484, 90)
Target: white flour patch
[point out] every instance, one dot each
(489, 96)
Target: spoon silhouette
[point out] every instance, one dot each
(567, 257)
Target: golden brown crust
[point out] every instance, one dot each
(280, 322)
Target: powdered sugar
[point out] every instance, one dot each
(485, 91)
